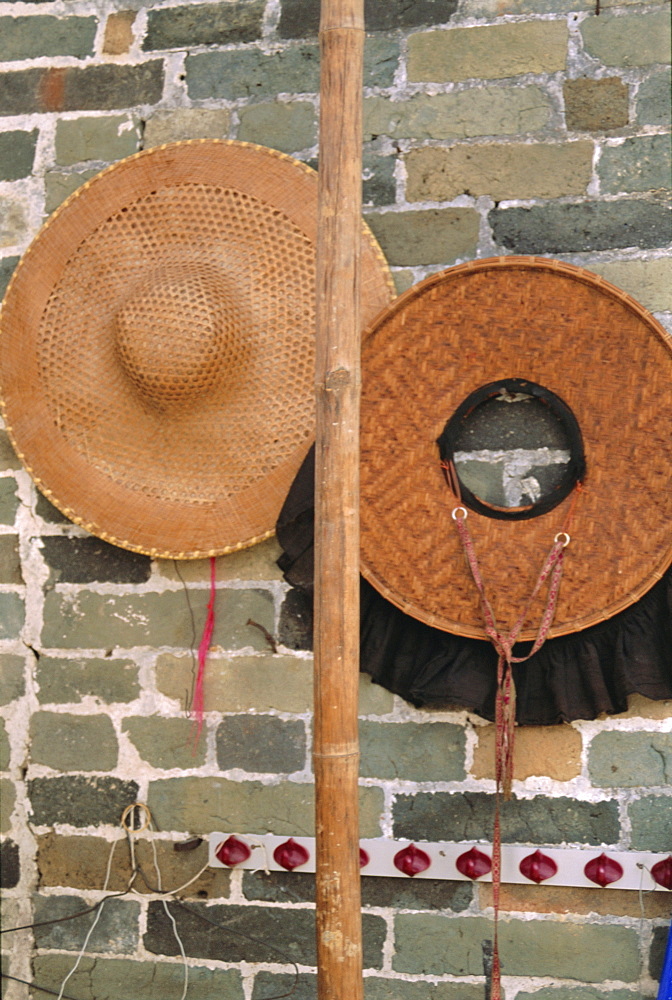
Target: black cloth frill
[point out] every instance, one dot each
(577, 676)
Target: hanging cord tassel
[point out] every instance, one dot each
(203, 647)
(505, 701)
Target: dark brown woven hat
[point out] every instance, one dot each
(506, 329)
(156, 365)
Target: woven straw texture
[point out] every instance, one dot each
(590, 344)
(157, 364)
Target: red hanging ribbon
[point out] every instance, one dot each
(203, 648)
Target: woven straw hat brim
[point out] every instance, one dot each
(578, 336)
(157, 351)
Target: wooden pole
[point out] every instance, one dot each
(335, 740)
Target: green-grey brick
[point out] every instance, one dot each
(261, 743)
(58, 187)
(412, 751)
(287, 127)
(637, 39)
(96, 978)
(7, 800)
(204, 24)
(7, 266)
(5, 749)
(203, 805)
(9, 501)
(431, 236)
(107, 138)
(436, 945)
(578, 993)
(651, 819)
(166, 743)
(35, 37)
(492, 52)
(654, 99)
(73, 742)
(13, 221)
(116, 931)
(80, 800)
(89, 620)
(648, 281)
(10, 563)
(72, 88)
(11, 615)
(17, 153)
(630, 760)
(251, 73)
(641, 164)
(376, 988)
(12, 683)
(466, 114)
(69, 680)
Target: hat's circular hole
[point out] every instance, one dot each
(514, 450)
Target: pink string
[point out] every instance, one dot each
(204, 646)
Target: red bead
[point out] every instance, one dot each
(291, 855)
(363, 858)
(233, 852)
(411, 860)
(662, 872)
(538, 867)
(603, 870)
(473, 863)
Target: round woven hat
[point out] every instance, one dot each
(529, 332)
(157, 346)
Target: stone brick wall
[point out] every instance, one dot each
(492, 126)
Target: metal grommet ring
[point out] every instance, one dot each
(128, 811)
(560, 535)
(464, 514)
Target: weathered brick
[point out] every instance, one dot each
(295, 629)
(116, 931)
(587, 226)
(12, 683)
(10, 864)
(279, 887)
(79, 800)
(59, 186)
(470, 815)
(291, 932)
(11, 615)
(596, 105)
(502, 171)
(640, 707)
(431, 236)
(636, 39)
(549, 751)
(38, 36)
(377, 988)
(7, 266)
(73, 742)
(17, 152)
(378, 186)
(301, 987)
(261, 743)
(106, 138)
(46, 510)
(91, 560)
(204, 24)
(403, 280)
(578, 993)
(13, 219)
(466, 114)
(242, 683)
(97, 978)
(166, 743)
(630, 760)
(70, 88)
(81, 863)
(255, 563)
(204, 805)
(119, 32)
(61, 681)
(654, 99)
(174, 126)
(430, 944)
(10, 563)
(416, 894)
(641, 164)
(287, 127)
(650, 282)
(498, 8)
(487, 53)
(651, 819)
(7, 800)
(5, 749)
(252, 73)
(569, 899)
(9, 501)
(153, 619)
(300, 18)
(657, 952)
(412, 751)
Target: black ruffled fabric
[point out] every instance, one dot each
(577, 676)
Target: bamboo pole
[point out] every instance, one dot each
(335, 739)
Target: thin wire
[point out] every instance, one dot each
(192, 647)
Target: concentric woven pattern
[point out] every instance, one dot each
(590, 344)
(158, 346)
